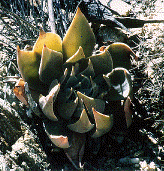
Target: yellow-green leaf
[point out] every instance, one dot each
(102, 63)
(120, 53)
(78, 34)
(28, 63)
(120, 84)
(77, 56)
(83, 124)
(51, 40)
(51, 65)
(89, 102)
(103, 122)
(46, 103)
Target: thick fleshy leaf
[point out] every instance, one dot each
(85, 82)
(83, 125)
(128, 112)
(64, 95)
(76, 150)
(77, 56)
(89, 102)
(83, 85)
(102, 63)
(95, 88)
(51, 40)
(112, 94)
(59, 140)
(51, 65)
(19, 91)
(53, 84)
(63, 77)
(79, 109)
(120, 80)
(103, 122)
(72, 81)
(89, 71)
(101, 83)
(46, 103)
(28, 63)
(67, 109)
(120, 53)
(57, 134)
(78, 34)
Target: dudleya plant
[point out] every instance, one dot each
(72, 87)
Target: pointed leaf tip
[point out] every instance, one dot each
(89, 102)
(78, 34)
(103, 122)
(78, 10)
(102, 62)
(28, 63)
(42, 32)
(57, 134)
(77, 56)
(53, 41)
(18, 48)
(83, 124)
(120, 53)
(50, 65)
(46, 103)
(67, 109)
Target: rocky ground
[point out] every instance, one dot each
(22, 147)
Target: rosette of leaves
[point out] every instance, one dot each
(72, 88)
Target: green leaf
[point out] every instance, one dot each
(120, 84)
(89, 102)
(57, 134)
(78, 34)
(77, 56)
(83, 125)
(46, 103)
(51, 65)
(28, 63)
(67, 109)
(102, 63)
(120, 53)
(103, 122)
(51, 40)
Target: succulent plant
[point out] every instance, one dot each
(71, 88)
